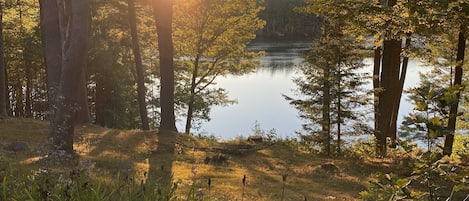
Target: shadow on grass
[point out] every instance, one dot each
(161, 160)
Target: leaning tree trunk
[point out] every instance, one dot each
(398, 95)
(141, 90)
(76, 32)
(3, 91)
(163, 16)
(449, 139)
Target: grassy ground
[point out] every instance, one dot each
(130, 154)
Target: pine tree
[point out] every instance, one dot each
(332, 87)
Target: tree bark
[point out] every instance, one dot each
(449, 138)
(3, 83)
(339, 112)
(190, 105)
(391, 89)
(326, 112)
(83, 115)
(397, 97)
(19, 104)
(377, 92)
(7, 90)
(141, 90)
(76, 36)
(389, 94)
(53, 51)
(29, 80)
(163, 16)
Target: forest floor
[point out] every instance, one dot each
(132, 154)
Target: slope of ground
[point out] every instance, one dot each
(135, 155)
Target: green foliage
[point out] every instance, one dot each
(461, 147)
(77, 184)
(24, 59)
(434, 177)
(267, 135)
(210, 40)
(111, 75)
(432, 101)
(331, 84)
(361, 149)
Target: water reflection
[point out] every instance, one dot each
(259, 94)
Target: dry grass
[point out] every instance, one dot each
(132, 154)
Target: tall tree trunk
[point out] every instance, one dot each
(390, 92)
(29, 81)
(53, 51)
(3, 83)
(19, 104)
(76, 29)
(163, 15)
(449, 139)
(141, 90)
(7, 90)
(101, 98)
(326, 112)
(391, 89)
(398, 95)
(377, 92)
(339, 113)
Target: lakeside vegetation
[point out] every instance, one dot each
(114, 165)
(73, 72)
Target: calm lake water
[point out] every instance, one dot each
(259, 94)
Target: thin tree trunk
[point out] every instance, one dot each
(190, 105)
(339, 113)
(141, 90)
(3, 83)
(19, 104)
(100, 101)
(326, 114)
(398, 96)
(29, 80)
(377, 92)
(163, 16)
(7, 91)
(449, 138)
(83, 112)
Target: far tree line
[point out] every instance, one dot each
(143, 63)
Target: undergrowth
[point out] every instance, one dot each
(76, 184)
(433, 177)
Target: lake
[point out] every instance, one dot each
(259, 94)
